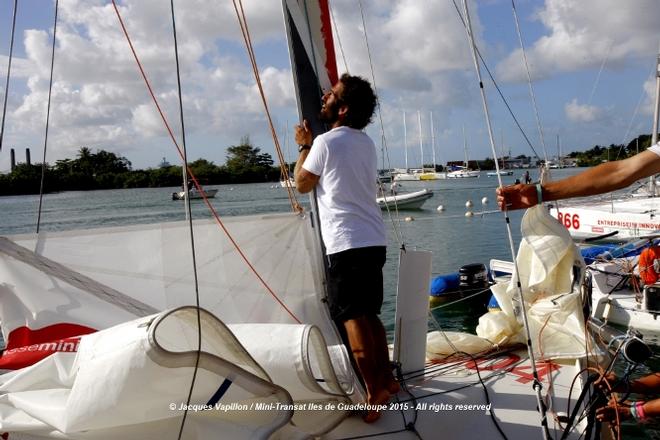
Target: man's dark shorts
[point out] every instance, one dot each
(355, 282)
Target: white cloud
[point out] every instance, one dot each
(99, 98)
(410, 41)
(419, 51)
(20, 68)
(582, 112)
(581, 34)
(648, 106)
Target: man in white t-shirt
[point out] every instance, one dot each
(600, 179)
(342, 165)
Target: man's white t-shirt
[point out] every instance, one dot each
(345, 161)
(655, 148)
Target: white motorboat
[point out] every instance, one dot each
(195, 194)
(618, 293)
(500, 173)
(411, 200)
(462, 173)
(638, 310)
(291, 183)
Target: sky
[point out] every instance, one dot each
(592, 65)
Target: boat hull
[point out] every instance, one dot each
(501, 173)
(462, 174)
(406, 177)
(194, 194)
(623, 218)
(433, 176)
(413, 200)
(622, 306)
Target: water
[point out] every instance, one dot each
(454, 239)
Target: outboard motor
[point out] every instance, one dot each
(652, 299)
(473, 276)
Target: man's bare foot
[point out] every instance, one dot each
(371, 416)
(393, 386)
(379, 398)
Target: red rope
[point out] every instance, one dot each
(242, 21)
(194, 179)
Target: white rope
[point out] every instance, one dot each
(529, 82)
(537, 383)
(600, 72)
(396, 219)
(336, 29)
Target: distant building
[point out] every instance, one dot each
(164, 164)
(517, 162)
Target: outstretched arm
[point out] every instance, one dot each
(603, 178)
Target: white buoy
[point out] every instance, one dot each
(409, 219)
(469, 214)
(484, 201)
(231, 189)
(468, 204)
(440, 208)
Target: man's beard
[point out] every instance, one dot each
(329, 114)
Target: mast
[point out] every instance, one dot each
(314, 68)
(465, 162)
(656, 114)
(421, 144)
(502, 150)
(405, 140)
(432, 141)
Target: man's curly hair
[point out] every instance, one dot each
(360, 99)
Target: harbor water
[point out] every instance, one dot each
(453, 238)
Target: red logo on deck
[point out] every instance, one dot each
(26, 347)
(507, 361)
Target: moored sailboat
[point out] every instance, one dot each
(462, 172)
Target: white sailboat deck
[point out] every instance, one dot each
(451, 401)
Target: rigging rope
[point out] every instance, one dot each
(600, 71)
(213, 211)
(242, 21)
(50, 89)
(396, 225)
(499, 91)
(537, 384)
(336, 28)
(529, 82)
(11, 52)
(198, 349)
(634, 115)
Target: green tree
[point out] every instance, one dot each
(205, 171)
(246, 163)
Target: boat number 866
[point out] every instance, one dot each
(568, 220)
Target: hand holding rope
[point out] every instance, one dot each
(519, 196)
